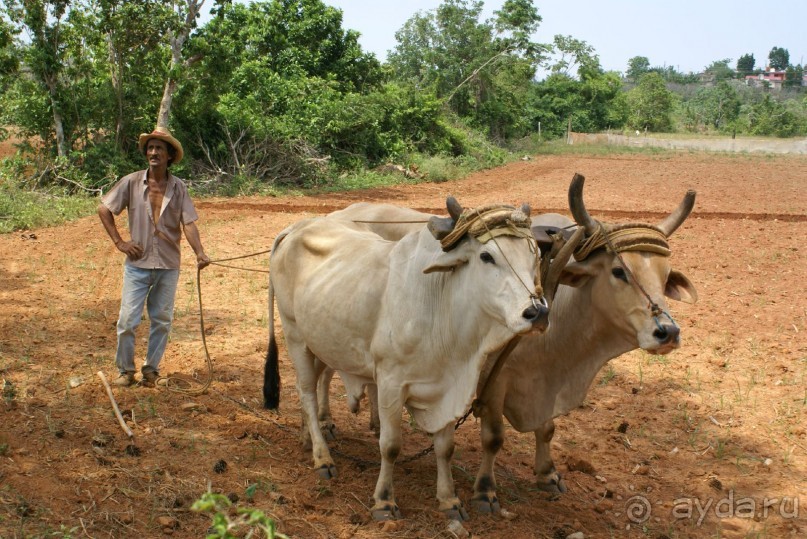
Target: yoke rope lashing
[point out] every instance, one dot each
(630, 237)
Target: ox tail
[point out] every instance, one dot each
(271, 370)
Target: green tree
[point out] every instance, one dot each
(9, 63)
(479, 68)
(184, 21)
(573, 55)
(671, 75)
(720, 70)
(650, 104)
(745, 65)
(594, 103)
(779, 58)
(716, 106)
(770, 117)
(793, 76)
(131, 40)
(43, 22)
(285, 85)
(637, 66)
(9, 60)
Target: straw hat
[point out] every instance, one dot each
(165, 135)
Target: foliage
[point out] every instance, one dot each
(720, 70)
(714, 106)
(574, 56)
(9, 59)
(480, 69)
(248, 521)
(745, 65)
(104, 56)
(793, 76)
(670, 75)
(592, 104)
(23, 209)
(283, 74)
(769, 117)
(637, 66)
(779, 58)
(651, 104)
(640, 65)
(45, 57)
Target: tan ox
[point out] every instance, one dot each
(599, 313)
(416, 317)
(612, 303)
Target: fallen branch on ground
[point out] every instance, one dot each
(123, 424)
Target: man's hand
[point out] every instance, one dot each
(202, 261)
(131, 249)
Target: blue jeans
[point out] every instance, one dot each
(157, 289)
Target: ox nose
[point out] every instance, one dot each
(538, 315)
(667, 333)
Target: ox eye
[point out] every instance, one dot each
(620, 274)
(487, 258)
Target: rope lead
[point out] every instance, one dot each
(172, 383)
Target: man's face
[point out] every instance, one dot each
(157, 152)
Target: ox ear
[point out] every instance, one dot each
(576, 274)
(680, 288)
(448, 261)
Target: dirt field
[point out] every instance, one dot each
(712, 436)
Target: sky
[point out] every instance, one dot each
(686, 34)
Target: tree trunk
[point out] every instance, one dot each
(177, 41)
(62, 148)
(165, 104)
(116, 75)
(58, 126)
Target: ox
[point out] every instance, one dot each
(416, 317)
(612, 302)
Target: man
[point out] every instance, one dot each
(158, 204)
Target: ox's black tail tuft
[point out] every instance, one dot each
(271, 377)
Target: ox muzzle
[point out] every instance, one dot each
(537, 314)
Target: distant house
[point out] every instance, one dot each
(770, 77)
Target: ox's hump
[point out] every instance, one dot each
(320, 244)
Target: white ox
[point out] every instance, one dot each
(599, 313)
(413, 319)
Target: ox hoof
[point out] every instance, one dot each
(555, 485)
(389, 512)
(457, 512)
(328, 431)
(326, 471)
(486, 504)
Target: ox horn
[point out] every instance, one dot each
(525, 209)
(556, 265)
(676, 218)
(440, 227)
(454, 208)
(578, 208)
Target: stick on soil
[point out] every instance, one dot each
(123, 424)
